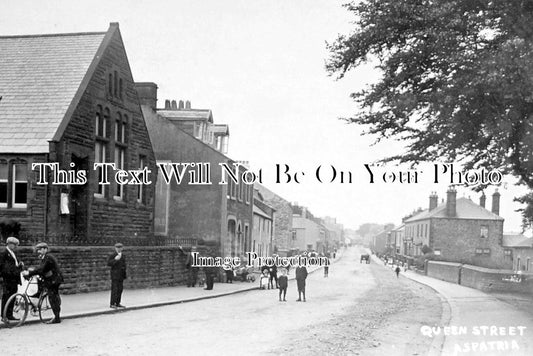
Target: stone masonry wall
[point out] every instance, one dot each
(85, 268)
(446, 271)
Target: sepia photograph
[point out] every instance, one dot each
(253, 177)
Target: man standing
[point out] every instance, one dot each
(117, 262)
(10, 268)
(52, 278)
(193, 270)
(301, 275)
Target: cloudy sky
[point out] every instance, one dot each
(259, 66)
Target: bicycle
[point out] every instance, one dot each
(23, 303)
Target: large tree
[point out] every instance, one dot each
(457, 80)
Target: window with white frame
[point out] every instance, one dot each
(484, 233)
(20, 185)
(100, 145)
(3, 184)
(119, 164)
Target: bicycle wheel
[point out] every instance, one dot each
(20, 306)
(45, 308)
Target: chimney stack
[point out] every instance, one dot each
(181, 104)
(147, 94)
(496, 202)
(451, 202)
(433, 201)
(167, 104)
(482, 199)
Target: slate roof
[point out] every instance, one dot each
(465, 209)
(187, 114)
(517, 240)
(39, 78)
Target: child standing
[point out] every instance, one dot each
(263, 282)
(283, 282)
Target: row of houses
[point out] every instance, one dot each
(69, 108)
(458, 230)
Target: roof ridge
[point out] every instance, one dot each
(55, 35)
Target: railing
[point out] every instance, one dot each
(69, 240)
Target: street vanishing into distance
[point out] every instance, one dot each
(360, 309)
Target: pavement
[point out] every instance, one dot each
(97, 303)
(474, 322)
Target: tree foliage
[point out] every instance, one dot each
(456, 83)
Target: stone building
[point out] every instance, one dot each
(310, 233)
(519, 251)
(263, 227)
(283, 239)
(200, 210)
(459, 230)
(70, 100)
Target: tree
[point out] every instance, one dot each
(456, 83)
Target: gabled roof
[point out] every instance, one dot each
(41, 79)
(187, 115)
(517, 240)
(465, 209)
(220, 129)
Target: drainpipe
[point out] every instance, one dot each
(46, 203)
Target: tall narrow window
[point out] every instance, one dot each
(99, 157)
(119, 164)
(115, 83)
(120, 88)
(120, 151)
(20, 185)
(100, 145)
(3, 184)
(110, 84)
(140, 188)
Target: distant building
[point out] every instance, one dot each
(283, 238)
(263, 227)
(519, 251)
(335, 232)
(310, 234)
(459, 230)
(396, 241)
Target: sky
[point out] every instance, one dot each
(259, 65)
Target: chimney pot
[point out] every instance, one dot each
(181, 104)
(451, 202)
(433, 201)
(482, 200)
(496, 202)
(187, 104)
(167, 104)
(174, 106)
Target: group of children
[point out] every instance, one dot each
(282, 282)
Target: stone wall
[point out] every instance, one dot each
(492, 280)
(446, 271)
(85, 268)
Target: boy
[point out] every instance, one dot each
(283, 282)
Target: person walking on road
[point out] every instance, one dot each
(52, 278)
(301, 275)
(397, 270)
(283, 282)
(117, 262)
(10, 268)
(326, 268)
